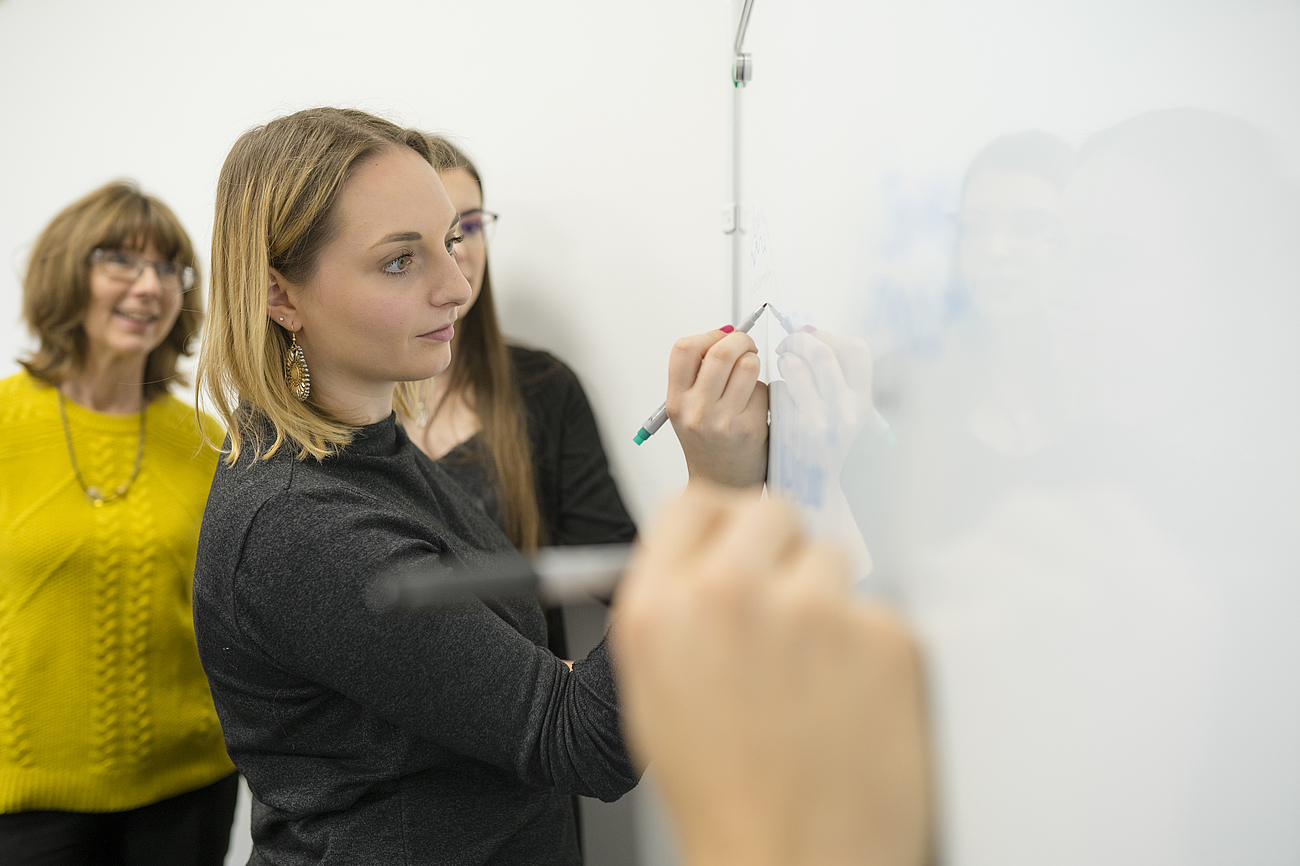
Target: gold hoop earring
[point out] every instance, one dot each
(296, 372)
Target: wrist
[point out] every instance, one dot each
(746, 848)
(701, 479)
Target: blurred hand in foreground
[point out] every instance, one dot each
(784, 719)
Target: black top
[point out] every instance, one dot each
(369, 736)
(576, 496)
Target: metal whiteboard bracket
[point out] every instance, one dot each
(730, 218)
(742, 69)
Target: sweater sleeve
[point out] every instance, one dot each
(460, 676)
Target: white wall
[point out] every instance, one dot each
(599, 128)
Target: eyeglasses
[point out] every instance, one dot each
(1019, 229)
(476, 225)
(126, 267)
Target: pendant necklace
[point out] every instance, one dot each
(94, 495)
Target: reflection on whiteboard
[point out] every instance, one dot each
(819, 407)
(1077, 310)
(820, 401)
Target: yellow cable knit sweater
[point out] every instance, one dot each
(103, 702)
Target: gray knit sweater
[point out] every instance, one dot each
(388, 737)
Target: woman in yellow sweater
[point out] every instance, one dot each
(110, 749)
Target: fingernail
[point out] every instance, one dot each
(727, 329)
(809, 329)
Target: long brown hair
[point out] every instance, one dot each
(480, 369)
(275, 207)
(56, 288)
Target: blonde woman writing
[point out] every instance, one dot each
(370, 737)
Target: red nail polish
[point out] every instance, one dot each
(809, 329)
(727, 329)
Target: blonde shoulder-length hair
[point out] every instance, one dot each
(56, 288)
(276, 198)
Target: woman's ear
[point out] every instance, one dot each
(279, 307)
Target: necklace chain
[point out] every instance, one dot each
(94, 495)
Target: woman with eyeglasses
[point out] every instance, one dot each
(512, 425)
(370, 734)
(110, 747)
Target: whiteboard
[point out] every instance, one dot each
(1090, 509)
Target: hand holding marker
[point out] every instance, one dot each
(655, 421)
(877, 421)
(557, 574)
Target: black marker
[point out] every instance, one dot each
(556, 574)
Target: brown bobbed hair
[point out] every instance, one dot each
(275, 208)
(481, 371)
(56, 289)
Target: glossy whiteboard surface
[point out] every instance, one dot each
(1057, 246)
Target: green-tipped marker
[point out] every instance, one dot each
(655, 421)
